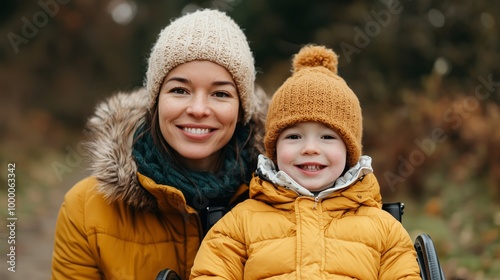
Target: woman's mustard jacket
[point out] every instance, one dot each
(117, 223)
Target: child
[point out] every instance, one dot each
(318, 214)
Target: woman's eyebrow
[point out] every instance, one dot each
(223, 83)
(178, 79)
(187, 81)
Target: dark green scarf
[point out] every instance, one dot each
(199, 188)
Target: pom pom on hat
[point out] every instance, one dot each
(312, 56)
(315, 93)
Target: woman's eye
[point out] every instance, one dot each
(178, 90)
(221, 94)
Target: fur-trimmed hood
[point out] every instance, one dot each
(109, 147)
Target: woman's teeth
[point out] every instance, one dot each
(196, 130)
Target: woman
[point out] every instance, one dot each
(165, 156)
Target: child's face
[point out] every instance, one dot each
(313, 154)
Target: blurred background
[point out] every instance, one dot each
(427, 74)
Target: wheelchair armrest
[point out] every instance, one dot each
(167, 274)
(430, 268)
(396, 209)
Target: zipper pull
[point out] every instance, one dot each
(316, 199)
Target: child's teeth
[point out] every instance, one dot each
(311, 167)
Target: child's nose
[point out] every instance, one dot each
(310, 147)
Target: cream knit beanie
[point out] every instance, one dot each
(203, 35)
(315, 93)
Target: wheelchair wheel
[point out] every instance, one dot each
(430, 268)
(167, 274)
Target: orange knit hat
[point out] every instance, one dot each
(315, 93)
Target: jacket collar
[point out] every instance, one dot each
(111, 131)
(358, 186)
(267, 170)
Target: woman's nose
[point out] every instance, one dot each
(198, 107)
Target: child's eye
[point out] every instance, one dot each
(328, 137)
(292, 136)
(221, 94)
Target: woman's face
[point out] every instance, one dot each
(198, 108)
